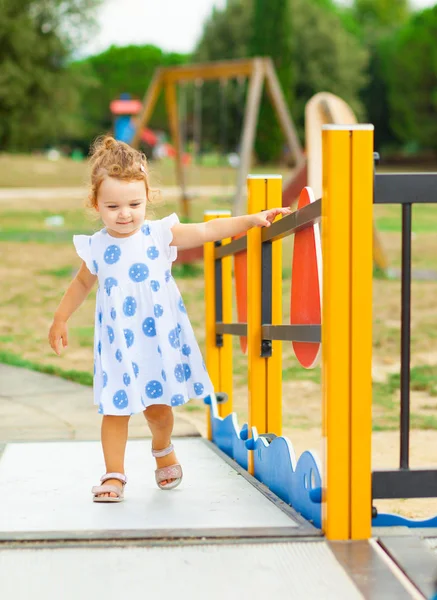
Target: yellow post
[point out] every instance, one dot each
(347, 208)
(217, 358)
(336, 316)
(274, 363)
(361, 331)
(257, 371)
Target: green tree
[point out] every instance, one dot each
(38, 94)
(271, 36)
(411, 71)
(118, 70)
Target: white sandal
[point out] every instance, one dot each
(97, 490)
(165, 473)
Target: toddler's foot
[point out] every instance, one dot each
(169, 459)
(111, 488)
(117, 484)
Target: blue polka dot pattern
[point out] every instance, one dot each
(198, 388)
(187, 371)
(111, 334)
(120, 399)
(126, 379)
(135, 369)
(113, 314)
(96, 266)
(112, 254)
(99, 347)
(110, 282)
(173, 338)
(167, 275)
(159, 350)
(186, 350)
(152, 252)
(182, 305)
(129, 337)
(179, 373)
(154, 285)
(100, 411)
(119, 355)
(104, 378)
(129, 306)
(158, 310)
(177, 400)
(149, 327)
(145, 229)
(139, 272)
(100, 317)
(203, 365)
(154, 389)
(163, 375)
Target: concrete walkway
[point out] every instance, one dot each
(35, 406)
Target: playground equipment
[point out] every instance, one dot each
(258, 71)
(341, 505)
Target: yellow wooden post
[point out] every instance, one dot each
(347, 207)
(336, 252)
(274, 363)
(361, 330)
(217, 358)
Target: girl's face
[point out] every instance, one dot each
(122, 205)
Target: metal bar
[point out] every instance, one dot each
(266, 294)
(404, 483)
(405, 188)
(292, 333)
(304, 217)
(234, 247)
(405, 335)
(231, 328)
(218, 278)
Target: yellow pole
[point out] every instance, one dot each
(274, 363)
(361, 331)
(347, 208)
(213, 353)
(336, 252)
(257, 371)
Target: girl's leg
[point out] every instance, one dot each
(160, 420)
(114, 437)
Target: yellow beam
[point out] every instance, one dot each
(274, 363)
(213, 70)
(336, 252)
(361, 331)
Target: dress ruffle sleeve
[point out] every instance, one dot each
(82, 243)
(166, 235)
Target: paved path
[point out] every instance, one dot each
(36, 406)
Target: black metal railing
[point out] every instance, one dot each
(405, 189)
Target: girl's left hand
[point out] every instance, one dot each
(266, 218)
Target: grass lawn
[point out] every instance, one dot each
(37, 262)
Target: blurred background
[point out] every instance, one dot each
(73, 69)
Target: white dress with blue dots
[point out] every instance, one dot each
(145, 351)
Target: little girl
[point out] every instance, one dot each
(146, 358)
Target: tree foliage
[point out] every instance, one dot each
(38, 94)
(410, 69)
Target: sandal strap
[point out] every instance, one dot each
(118, 476)
(171, 472)
(161, 453)
(97, 490)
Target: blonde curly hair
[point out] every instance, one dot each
(111, 158)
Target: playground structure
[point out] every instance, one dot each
(224, 532)
(345, 212)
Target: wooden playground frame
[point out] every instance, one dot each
(259, 71)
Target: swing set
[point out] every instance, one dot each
(257, 72)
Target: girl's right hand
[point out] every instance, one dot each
(58, 336)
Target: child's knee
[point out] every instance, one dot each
(160, 415)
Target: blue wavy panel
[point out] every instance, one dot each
(297, 483)
(390, 520)
(226, 433)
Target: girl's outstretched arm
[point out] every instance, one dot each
(190, 235)
(76, 293)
